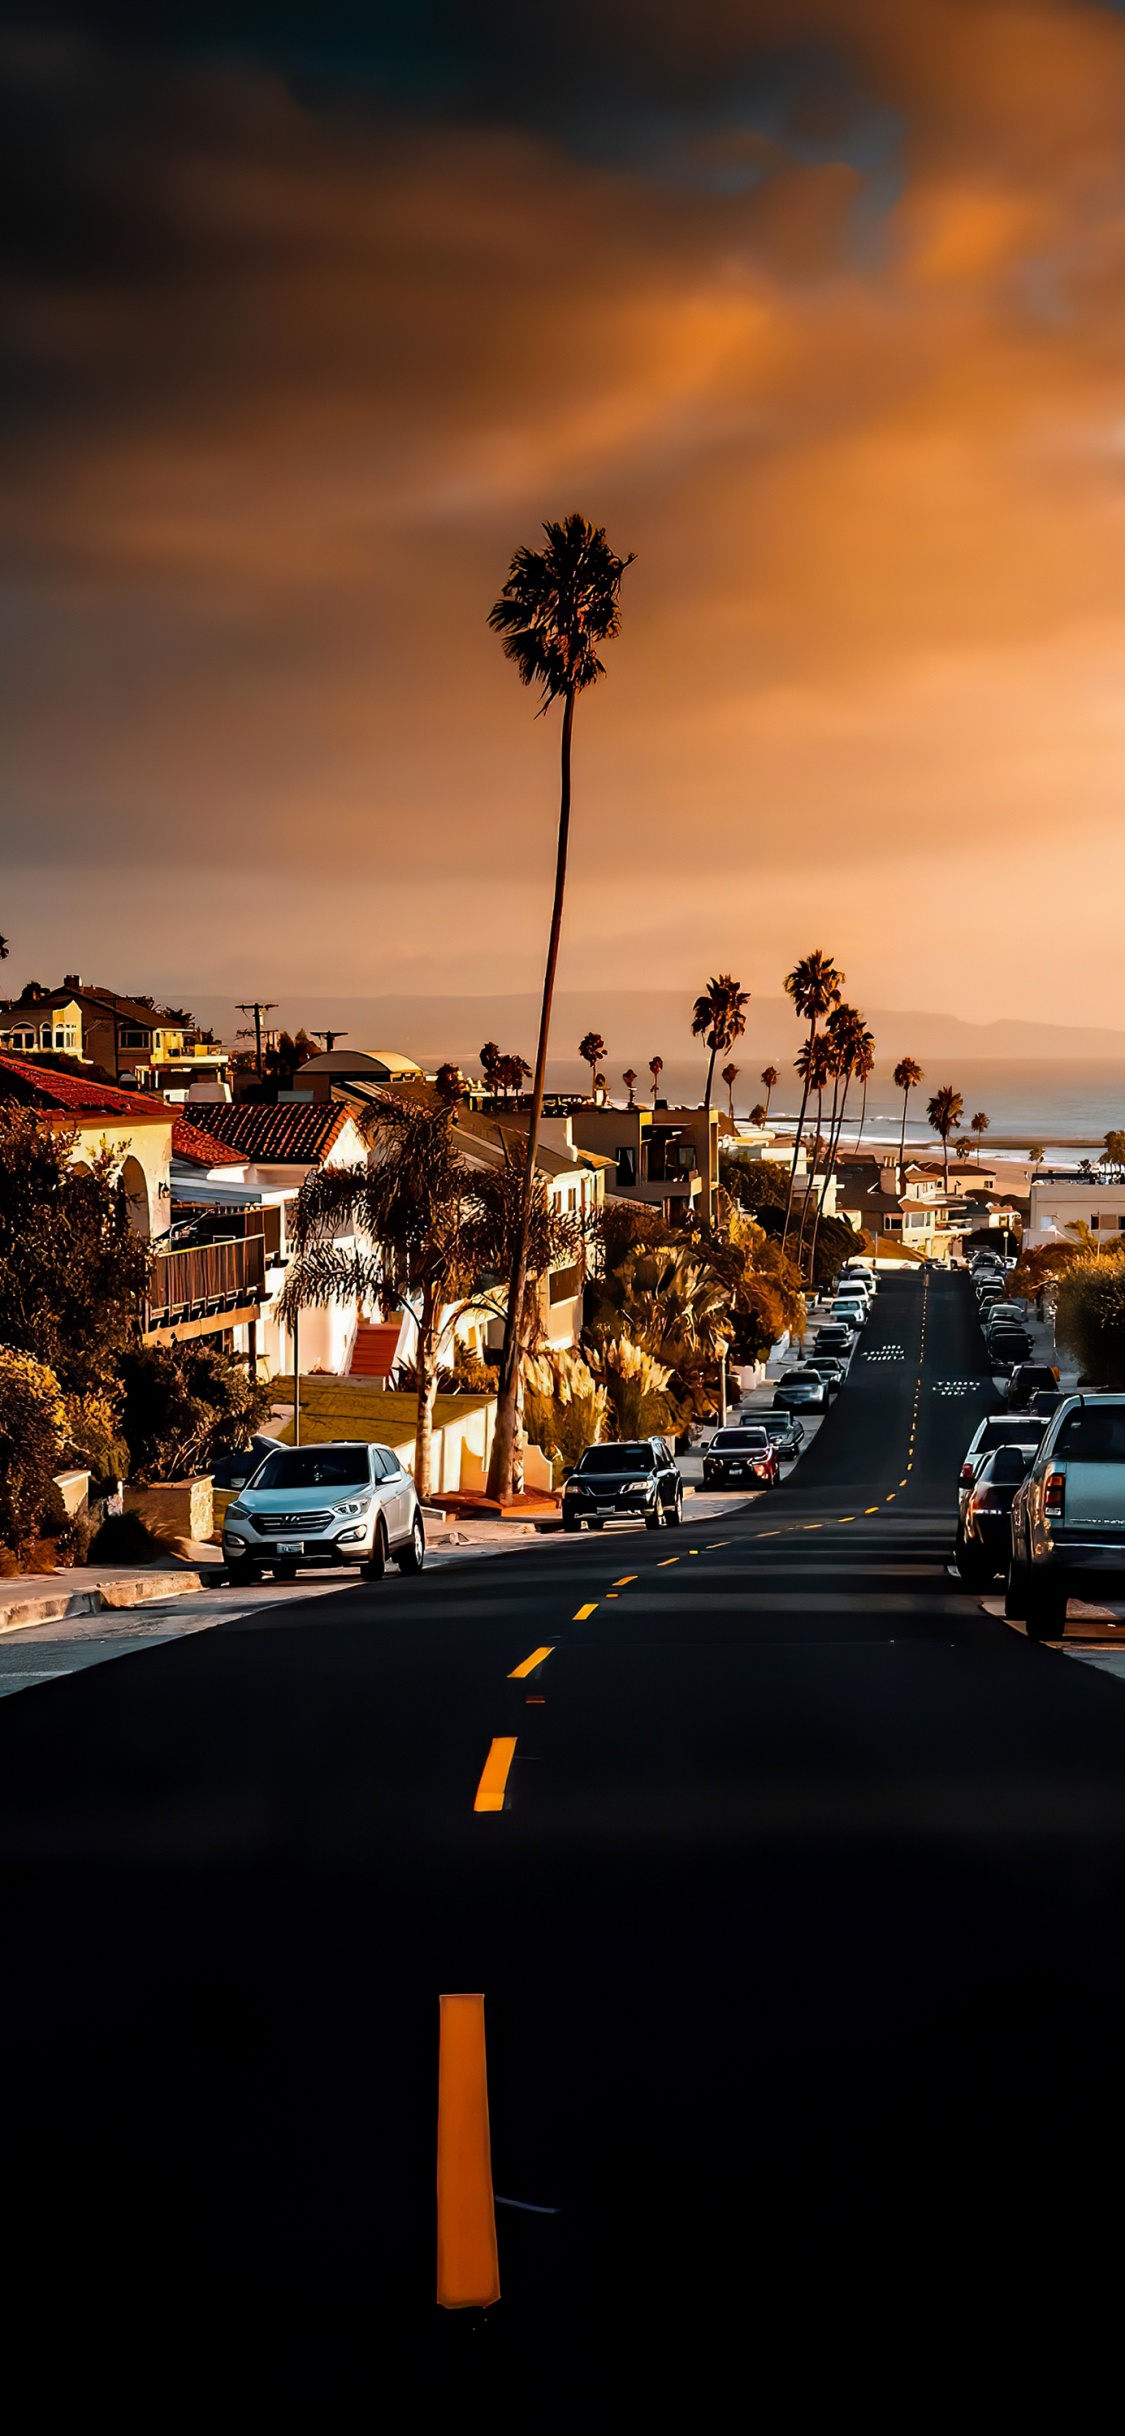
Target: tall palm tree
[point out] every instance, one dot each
(906, 1078)
(656, 1069)
(850, 1042)
(945, 1112)
(863, 1070)
(980, 1124)
(814, 985)
(729, 1073)
(557, 605)
(719, 1019)
(814, 1066)
(771, 1078)
(630, 1081)
(591, 1049)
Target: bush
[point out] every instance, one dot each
(564, 1409)
(639, 1405)
(31, 1426)
(127, 1539)
(185, 1406)
(1090, 1317)
(72, 1271)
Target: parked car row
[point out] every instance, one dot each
(1003, 1322)
(1042, 1504)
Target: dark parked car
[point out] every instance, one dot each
(747, 1455)
(998, 1429)
(1006, 1346)
(1029, 1379)
(984, 1531)
(800, 1391)
(637, 1478)
(829, 1368)
(836, 1339)
(1047, 1400)
(787, 1433)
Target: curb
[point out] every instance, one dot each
(20, 1615)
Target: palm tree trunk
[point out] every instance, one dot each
(862, 1120)
(811, 1187)
(796, 1149)
(707, 1125)
(428, 1338)
(945, 1161)
(833, 1147)
(902, 1141)
(504, 1443)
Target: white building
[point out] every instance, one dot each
(1058, 1202)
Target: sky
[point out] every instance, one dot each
(312, 314)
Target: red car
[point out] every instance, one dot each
(746, 1455)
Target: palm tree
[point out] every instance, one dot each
(851, 1042)
(656, 1069)
(863, 1070)
(770, 1077)
(814, 1066)
(729, 1073)
(906, 1078)
(945, 1112)
(814, 985)
(719, 1018)
(630, 1081)
(979, 1124)
(490, 1066)
(591, 1049)
(557, 605)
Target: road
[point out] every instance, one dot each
(800, 1935)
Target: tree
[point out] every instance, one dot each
(863, 1069)
(980, 1125)
(630, 1081)
(512, 1073)
(186, 1406)
(656, 1069)
(591, 1049)
(1113, 1156)
(31, 1431)
(72, 1272)
(565, 1409)
(814, 1068)
(758, 1113)
(719, 1019)
(1090, 1316)
(666, 1299)
(490, 1066)
(770, 1077)
(553, 610)
(729, 1074)
(906, 1078)
(814, 985)
(850, 1042)
(945, 1111)
(431, 1234)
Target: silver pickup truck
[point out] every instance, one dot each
(1068, 1517)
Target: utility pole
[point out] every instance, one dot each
(257, 1007)
(330, 1038)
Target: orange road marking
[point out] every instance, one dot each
(845, 1518)
(768, 1534)
(668, 1560)
(626, 1577)
(468, 2270)
(871, 1509)
(583, 1612)
(528, 1665)
(890, 1497)
(535, 1700)
(494, 1774)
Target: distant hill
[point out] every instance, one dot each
(637, 1024)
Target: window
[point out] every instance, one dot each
(315, 1467)
(1090, 1436)
(626, 1158)
(628, 1460)
(563, 1283)
(132, 1037)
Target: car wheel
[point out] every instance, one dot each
(1015, 1592)
(284, 1573)
(975, 1571)
(657, 1520)
(677, 1514)
(596, 1523)
(376, 1564)
(1045, 1609)
(240, 1575)
(571, 1522)
(412, 1558)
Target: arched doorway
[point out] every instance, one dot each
(136, 1192)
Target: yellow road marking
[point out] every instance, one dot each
(583, 1612)
(902, 1482)
(468, 2273)
(494, 1774)
(668, 1560)
(626, 1577)
(529, 1665)
(890, 1497)
(693, 1551)
(812, 1526)
(871, 1509)
(845, 1517)
(768, 1534)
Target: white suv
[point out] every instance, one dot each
(345, 1503)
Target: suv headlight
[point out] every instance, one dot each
(354, 1505)
(237, 1513)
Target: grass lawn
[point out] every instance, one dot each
(347, 1408)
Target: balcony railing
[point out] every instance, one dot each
(201, 1281)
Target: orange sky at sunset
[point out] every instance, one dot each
(845, 369)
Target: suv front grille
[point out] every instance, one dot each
(293, 1522)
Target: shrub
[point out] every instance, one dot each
(564, 1409)
(127, 1539)
(72, 1271)
(31, 1426)
(185, 1406)
(636, 1386)
(1090, 1317)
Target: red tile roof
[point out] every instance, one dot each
(295, 1133)
(71, 1095)
(202, 1149)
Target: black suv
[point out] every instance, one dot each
(637, 1479)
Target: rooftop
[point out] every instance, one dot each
(202, 1149)
(295, 1133)
(70, 1095)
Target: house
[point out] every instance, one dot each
(1062, 1201)
(666, 1157)
(147, 1048)
(239, 1166)
(320, 1076)
(134, 1128)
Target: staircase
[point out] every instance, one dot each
(375, 1350)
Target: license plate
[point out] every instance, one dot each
(290, 1547)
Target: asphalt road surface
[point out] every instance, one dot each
(800, 1937)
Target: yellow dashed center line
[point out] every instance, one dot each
(528, 1665)
(626, 1578)
(845, 1518)
(583, 1612)
(871, 1509)
(494, 1774)
(667, 1560)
